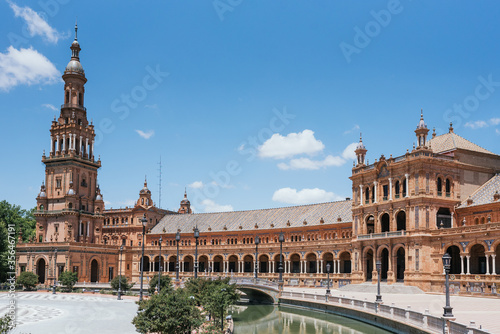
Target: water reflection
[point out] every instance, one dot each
(270, 319)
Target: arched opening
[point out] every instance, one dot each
(384, 260)
(369, 265)
(276, 260)
(401, 221)
(218, 264)
(263, 263)
(439, 187)
(385, 223)
(145, 264)
(448, 187)
(454, 252)
(94, 271)
(370, 225)
(404, 187)
(157, 263)
(345, 263)
(40, 271)
(367, 195)
(188, 262)
(202, 263)
(328, 259)
(295, 261)
(172, 261)
(233, 263)
(373, 194)
(400, 264)
(311, 263)
(497, 259)
(397, 188)
(477, 260)
(248, 263)
(443, 218)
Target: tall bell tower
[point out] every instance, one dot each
(70, 205)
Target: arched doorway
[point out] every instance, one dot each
(40, 270)
(370, 225)
(384, 259)
(247, 264)
(401, 221)
(94, 271)
(454, 252)
(145, 263)
(400, 264)
(202, 263)
(345, 263)
(385, 223)
(477, 260)
(218, 264)
(172, 262)
(295, 261)
(443, 218)
(188, 263)
(233, 263)
(311, 263)
(263, 264)
(369, 265)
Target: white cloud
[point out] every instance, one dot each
(145, 135)
(348, 153)
(354, 128)
(497, 131)
(495, 121)
(36, 24)
(304, 196)
(25, 66)
(49, 106)
(306, 163)
(476, 124)
(196, 185)
(280, 147)
(211, 206)
(241, 147)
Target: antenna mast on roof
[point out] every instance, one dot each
(159, 184)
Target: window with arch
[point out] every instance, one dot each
(404, 187)
(67, 96)
(142, 201)
(396, 189)
(367, 195)
(448, 187)
(42, 207)
(439, 186)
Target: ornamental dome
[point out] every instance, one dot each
(421, 124)
(74, 66)
(42, 193)
(145, 190)
(98, 197)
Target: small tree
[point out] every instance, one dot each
(68, 279)
(168, 313)
(166, 283)
(7, 324)
(27, 279)
(124, 282)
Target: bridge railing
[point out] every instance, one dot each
(257, 282)
(424, 320)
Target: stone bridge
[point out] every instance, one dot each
(258, 291)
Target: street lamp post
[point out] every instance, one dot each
(144, 222)
(327, 279)
(378, 265)
(209, 271)
(281, 238)
(447, 265)
(196, 236)
(177, 239)
(257, 242)
(120, 274)
(160, 267)
(55, 272)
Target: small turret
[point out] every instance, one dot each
(360, 152)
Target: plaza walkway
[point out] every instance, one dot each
(485, 311)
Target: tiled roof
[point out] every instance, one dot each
(313, 213)
(484, 194)
(451, 141)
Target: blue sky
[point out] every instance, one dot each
(250, 104)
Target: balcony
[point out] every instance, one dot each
(71, 105)
(382, 235)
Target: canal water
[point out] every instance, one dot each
(272, 319)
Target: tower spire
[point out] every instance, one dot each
(76, 29)
(421, 131)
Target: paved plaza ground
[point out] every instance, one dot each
(44, 313)
(40, 313)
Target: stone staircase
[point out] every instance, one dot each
(368, 287)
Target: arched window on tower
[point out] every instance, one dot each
(396, 189)
(67, 97)
(80, 99)
(367, 195)
(439, 187)
(448, 187)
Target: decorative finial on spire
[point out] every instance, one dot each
(76, 29)
(421, 114)
(185, 192)
(145, 180)
(360, 136)
(451, 127)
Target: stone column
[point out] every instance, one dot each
(64, 142)
(74, 141)
(407, 180)
(468, 264)
(92, 149)
(86, 146)
(493, 269)
(70, 144)
(80, 145)
(338, 266)
(361, 199)
(461, 264)
(51, 144)
(58, 149)
(375, 192)
(289, 266)
(487, 264)
(390, 189)
(321, 267)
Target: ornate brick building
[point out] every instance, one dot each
(406, 211)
